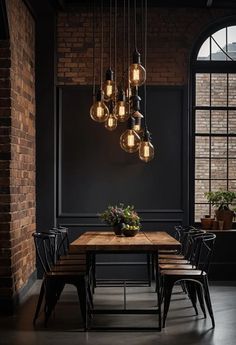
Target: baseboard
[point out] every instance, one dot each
(10, 304)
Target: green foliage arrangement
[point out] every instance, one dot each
(121, 214)
(221, 199)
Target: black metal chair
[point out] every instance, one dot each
(56, 276)
(196, 279)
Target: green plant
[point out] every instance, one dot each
(221, 199)
(114, 215)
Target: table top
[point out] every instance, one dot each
(108, 241)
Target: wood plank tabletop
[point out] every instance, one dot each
(108, 241)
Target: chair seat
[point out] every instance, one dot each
(169, 261)
(65, 274)
(176, 267)
(71, 262)
(186, 273)
(73, 256)
(168, 251)
(69, 268)
(171, 256)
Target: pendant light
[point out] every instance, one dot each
(121, 108)
(98, 111)
(109, 85)
(146, 149)
(137, 73)
(137, 121)
(130, 140)
(111, 122)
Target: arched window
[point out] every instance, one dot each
(214, 117)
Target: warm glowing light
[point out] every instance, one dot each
(146, 151)
(137, 74)
(99, 111)
(111, 122)
(121, 111)
(129, 141)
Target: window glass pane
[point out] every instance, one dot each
(232, 121)
(232, 41)
(218, 184)
(201, 211)
(232, 168)
(201, 186)
(232, 88)
(218, 147)
(201, 168)
(219, 168)
(219, 89)
(202, 121)
(219, 121)
(204, 52)
(220, 38)
(232, 147)
(232, 185)
(202, 89)
(202, 147)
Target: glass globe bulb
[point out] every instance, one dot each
(111, 122)
(137, 126)
(137, 74)
(121, 111)
(99, 111)
(129, 141)
(146, 151)
(109, 90)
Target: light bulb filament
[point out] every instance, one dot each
(146, 151)
(130, 140)
(136, 74)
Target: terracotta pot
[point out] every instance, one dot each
(207, 223)
(226, 216)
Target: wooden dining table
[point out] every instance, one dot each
(148, 242)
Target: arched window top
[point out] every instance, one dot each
(219, 46)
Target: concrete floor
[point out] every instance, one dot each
(183, 327)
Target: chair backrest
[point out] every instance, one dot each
(203, 250)
(46, 249)
(62, 241)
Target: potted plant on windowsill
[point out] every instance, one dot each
(123, 219)
(222, 200)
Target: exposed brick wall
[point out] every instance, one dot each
(17, 157)
(171, 34)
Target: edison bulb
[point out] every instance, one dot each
(146, 151)
(109, 90)
(137, 126)
(129, 141)
(99, 111)
(111, 122)
(121, 111)
(137, 74)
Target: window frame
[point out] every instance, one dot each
(204, 66)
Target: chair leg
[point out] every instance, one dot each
(82, 294)
(168, 286)
(208, 301)
(51, 297)
(201, 298)
(40, 299)
(192, 294)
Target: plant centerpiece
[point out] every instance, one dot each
(222, 200)
(123, 219)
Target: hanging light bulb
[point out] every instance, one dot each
(99, 111)
(111, 122)
(146, 149)
(130, 140)
(137, 73)
(121, 110)
(137, 121)
(109, 86)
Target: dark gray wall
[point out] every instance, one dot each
(93, 172)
